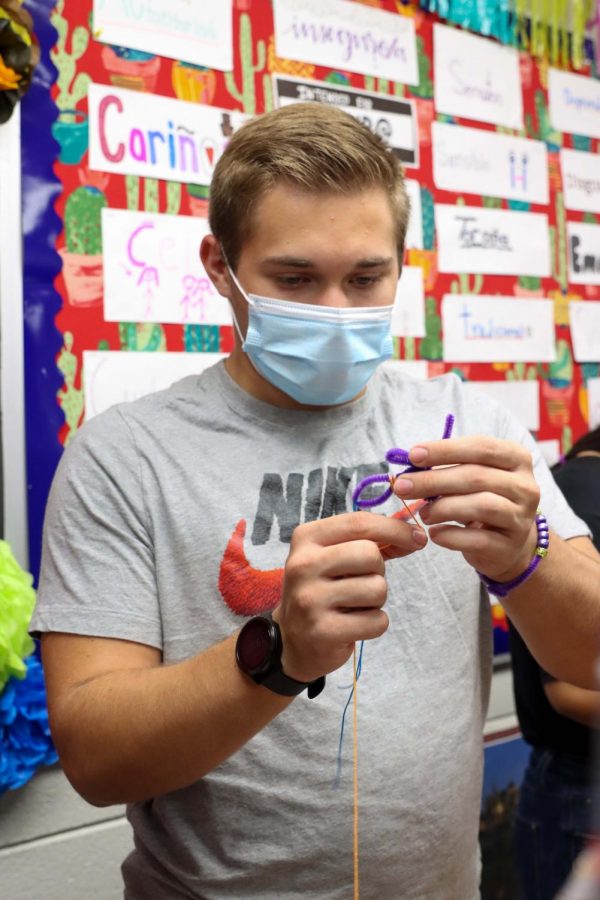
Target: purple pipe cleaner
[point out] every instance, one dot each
(398, 457)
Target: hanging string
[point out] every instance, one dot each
(355, 805)
(355, 677)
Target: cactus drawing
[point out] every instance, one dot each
(142, 336)
(151, 195)
(246, 94)
(424, 88)
(72, 85)
(70, 398)
(431, 344)
(71, 128)
(552, 138)
(428, 217)
(463, 284)
(558, 244)
(521, 372)
(83, 227)
(201, 338)
(491, 202)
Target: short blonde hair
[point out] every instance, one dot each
(310, 146)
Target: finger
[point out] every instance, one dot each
(475, 541)
(480, 449)
(359, 526)
(358, 592)
(358, 625)
(353, 558)
(485, 509)
(468, 479)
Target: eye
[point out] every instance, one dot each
(367, 280)
(291, 281)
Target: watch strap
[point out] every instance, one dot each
(280, 683)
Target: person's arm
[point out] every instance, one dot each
(489, 489)
(128, 728)
(574, 702)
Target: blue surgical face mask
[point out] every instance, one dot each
(319, 355)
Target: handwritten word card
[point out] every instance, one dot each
(493, 241)
(584, 253)
(113, 377)
(522, 398)
(584, 316)
(593, 389)
(198, 33)
(349, 36)
(393, 119)
(484, 162)
(143, 134)
(414, 234)
(484, 328)
(581, 180)
(574, 102)
(476, 78)
(153, 273)
(408, 317)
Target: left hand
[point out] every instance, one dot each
(489, 489)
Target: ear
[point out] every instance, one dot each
(214, 263)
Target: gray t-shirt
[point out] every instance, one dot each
(170, 519)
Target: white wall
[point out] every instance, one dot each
(54, 846)
(12, 404)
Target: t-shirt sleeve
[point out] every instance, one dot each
(561, 518)
(97, 575)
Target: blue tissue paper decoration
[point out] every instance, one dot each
(25, 742)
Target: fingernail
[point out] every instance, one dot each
(419, 537)
(418, 455)
(403, 485)
(424, 512)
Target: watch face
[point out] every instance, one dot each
(255, 645)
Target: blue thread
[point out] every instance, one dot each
(338, 772)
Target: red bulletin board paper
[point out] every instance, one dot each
(248, 88)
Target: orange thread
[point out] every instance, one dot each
(355, 710)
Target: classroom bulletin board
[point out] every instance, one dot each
(73, 314)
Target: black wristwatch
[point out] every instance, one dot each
(258, 654)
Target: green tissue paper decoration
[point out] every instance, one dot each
(17, 599)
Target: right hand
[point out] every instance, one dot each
(334, 588)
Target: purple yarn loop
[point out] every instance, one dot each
(398, 457)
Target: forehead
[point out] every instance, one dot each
(286, 218)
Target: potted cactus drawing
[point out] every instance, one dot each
(198, 195)
(133, 69)
(196, 84)
(82, 255)
(71, 127)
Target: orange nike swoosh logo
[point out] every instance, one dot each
(248, 591)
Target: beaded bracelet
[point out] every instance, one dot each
(501, 589)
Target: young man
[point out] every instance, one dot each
(228, 495)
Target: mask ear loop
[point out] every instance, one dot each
(235, 280)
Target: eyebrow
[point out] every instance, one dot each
(296, 262)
